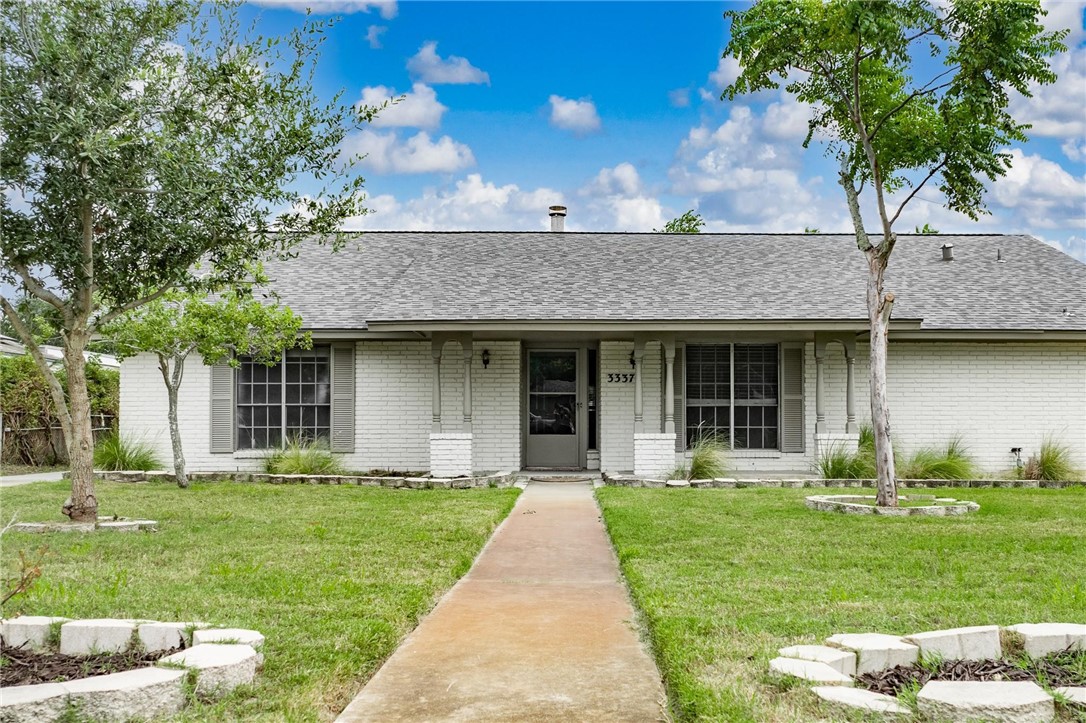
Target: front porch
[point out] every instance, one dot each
(631, 403)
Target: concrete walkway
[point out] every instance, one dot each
(540, 629)
(25, 479)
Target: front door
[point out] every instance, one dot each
(554, 409)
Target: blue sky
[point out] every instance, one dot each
(613, 110)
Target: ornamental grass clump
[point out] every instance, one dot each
(1051, 462)
(708, 459)
(951, 462)
(302, 457)
(116, 453)
(839, 463)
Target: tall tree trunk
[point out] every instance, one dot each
(879, 307)
(82, 505)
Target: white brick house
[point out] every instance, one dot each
(466, 352)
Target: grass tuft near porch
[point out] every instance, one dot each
(334, 576)
(723, 578)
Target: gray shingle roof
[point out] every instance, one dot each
(518, 276)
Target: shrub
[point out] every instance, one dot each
(951, 462)
(708, 459)
(113, 452)
(1052, 462)
(838, 463)
(301, 457)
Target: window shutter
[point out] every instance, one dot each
(222, 408)
(792, 436)
(680, 398)
(343, 381)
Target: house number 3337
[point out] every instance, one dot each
(620, 378)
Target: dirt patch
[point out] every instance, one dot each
(21, 666)
(1056, 670)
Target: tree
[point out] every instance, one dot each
(689, 222)
(904, 92)
(177, 324)
(927, 230)
(148, 146)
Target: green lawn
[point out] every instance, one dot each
(723, 578)
(333, 576)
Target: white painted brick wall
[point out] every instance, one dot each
(617, 402)
(996, 395)
(654, 454)
(450, 454)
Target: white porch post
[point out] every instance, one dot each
(669, 386)
(639, 391)
(820, 396)
(466, 346)
(851, 427)
(436, 346)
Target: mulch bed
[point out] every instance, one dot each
(1055, 670)
(22, 666)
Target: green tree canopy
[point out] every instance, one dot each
(151, 145)
(903, 93)
(689, 222)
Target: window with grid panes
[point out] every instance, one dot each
(710, 391)
(291, 400)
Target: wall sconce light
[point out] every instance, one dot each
(633, 361)
(486, 358)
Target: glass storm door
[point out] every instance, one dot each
(553, 423)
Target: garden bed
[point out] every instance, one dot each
(23, 666)
(481, 480)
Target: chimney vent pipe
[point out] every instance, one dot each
(948, 252)
(558, 218)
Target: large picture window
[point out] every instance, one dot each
(732, 393)
(290, 400)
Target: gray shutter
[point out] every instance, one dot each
(222, 408)
(680, 398)
(343, 398)
(791, 400)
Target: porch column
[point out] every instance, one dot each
(639, 393)
(669, 387)
(466, 346)
(850, 392)
(436, 345)
(820, 402)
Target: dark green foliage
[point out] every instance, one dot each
(689, 222)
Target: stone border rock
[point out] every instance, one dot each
(857, 505)
(500, 480)
(104, 524)
(626, 480)
(832, 667)
(210, 666)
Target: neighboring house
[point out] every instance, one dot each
(54, 355)
(462, 352)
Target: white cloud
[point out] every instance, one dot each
(578, 116)
(1057, 110)
(1041, 193)
(727, 70)
(472, 204)
(419, 108)
(622, 180)
(1075, 149)
(373, 35)
(679, 98)
(745, 174)
(1066, 14)
(787, 119)
(387, 8)
(388, 153)
(429, 67)
(1073, 246)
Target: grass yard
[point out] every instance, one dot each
(723, 578)
(333, 576)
